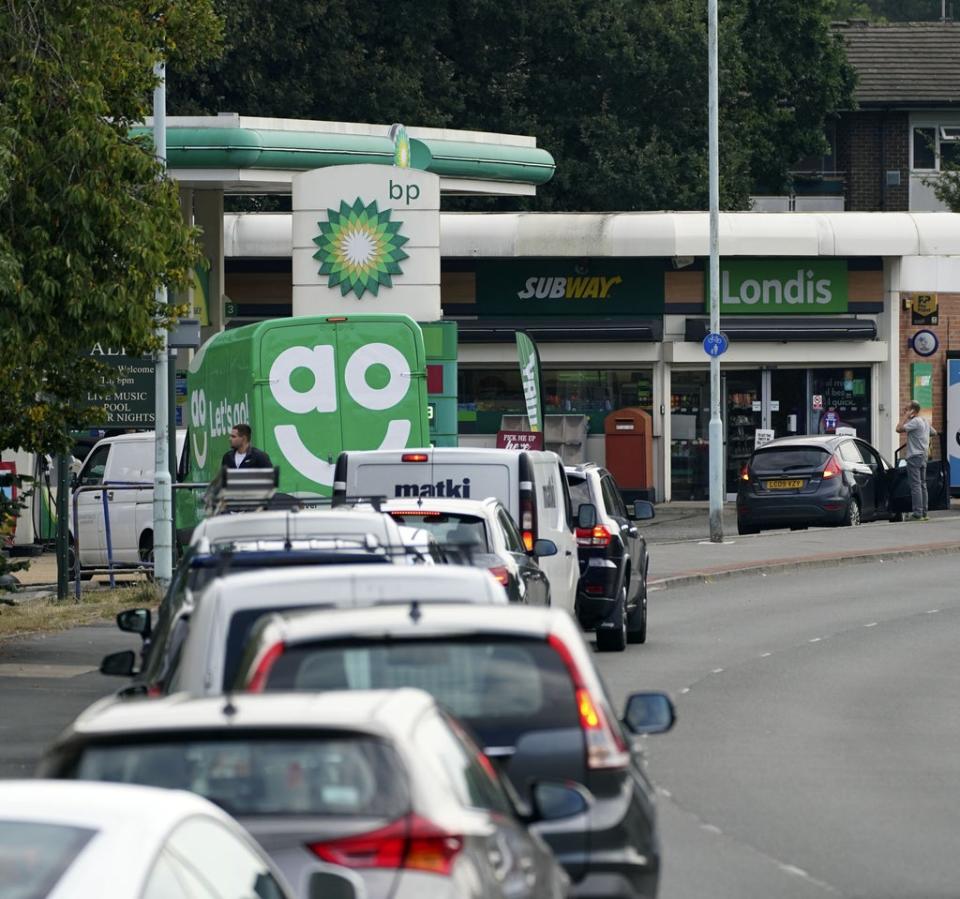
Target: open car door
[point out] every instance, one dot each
(938, 491)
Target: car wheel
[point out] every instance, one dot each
(614, 639)
(637, 619)
(745, 529)
(852, 516)
(72, 566)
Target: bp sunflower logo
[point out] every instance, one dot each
(359, 248)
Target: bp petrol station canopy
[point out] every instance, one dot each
(248, 155)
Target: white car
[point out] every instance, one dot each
(72, 840)
(201, 651)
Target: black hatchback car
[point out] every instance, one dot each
(612, 589)
(798, 482)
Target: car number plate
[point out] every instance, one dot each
(795, 484)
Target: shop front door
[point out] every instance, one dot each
(743, 414)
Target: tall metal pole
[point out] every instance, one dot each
(63, 527)
(162, 506)
(716, 422)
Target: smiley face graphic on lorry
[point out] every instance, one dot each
(309, 388)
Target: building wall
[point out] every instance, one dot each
(870, 144)
(948, 333)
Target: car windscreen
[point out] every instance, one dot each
(502, 687)
(34, 856)
(262, 774)
(447, 527)
(782, 460)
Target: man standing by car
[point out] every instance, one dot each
(241, 454)
(917, 430)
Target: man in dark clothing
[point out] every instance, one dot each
(242, 454)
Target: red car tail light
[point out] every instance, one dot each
(411, 843)
(606, 747)
(264, 665)
(745, 472)
(595, 536)
(832, 469)
(501, 574)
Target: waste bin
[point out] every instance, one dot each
(628, 439)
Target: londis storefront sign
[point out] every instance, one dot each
(570, 287)
(309, 387)
(781, 287)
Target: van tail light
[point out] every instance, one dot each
(528, 516)
(409, 843)
(263, 667)
(832, 469)
(414, 457)
(501, 574)
(606, 747)
(595, 536)
(745, 472)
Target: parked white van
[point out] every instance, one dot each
(531, 484)
(114, 462)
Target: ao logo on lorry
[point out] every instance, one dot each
(322, 397)
(316, 393)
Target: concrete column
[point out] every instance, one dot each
(661, 429)
(886, 400)
(208, 214)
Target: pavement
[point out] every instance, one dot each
(681, 551)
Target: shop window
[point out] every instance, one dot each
(840, 398)
(484, 397)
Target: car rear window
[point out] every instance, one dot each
(794, 458)
(579, 492)
(354, 775)
(448, 528)
(34, 856)
(241, 624)
(502, 687)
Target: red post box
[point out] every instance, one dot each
(628, 438)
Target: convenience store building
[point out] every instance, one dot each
(814, 305)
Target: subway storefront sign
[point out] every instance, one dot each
(781, 287)
(570, 287)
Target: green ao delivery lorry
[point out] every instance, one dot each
(309, 387)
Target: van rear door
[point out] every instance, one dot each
(553, 523)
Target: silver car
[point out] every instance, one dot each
(380, 786)
(204, 646)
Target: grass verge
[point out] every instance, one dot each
(38, 616)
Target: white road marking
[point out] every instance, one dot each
(871, 624)
(17, 669)
(793, 869)
(765, 655)
(718, 671)
(685, 690)
(932, 611)
(816, 639)
(712, 828)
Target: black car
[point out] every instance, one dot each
(798, 482)
(612, 590)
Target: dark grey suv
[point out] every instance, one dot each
(612, 590)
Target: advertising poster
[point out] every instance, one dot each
(953, 420)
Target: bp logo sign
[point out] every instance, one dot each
(359, 248)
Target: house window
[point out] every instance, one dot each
(925, 148)
(949, 146)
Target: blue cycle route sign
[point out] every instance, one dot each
(716, 344)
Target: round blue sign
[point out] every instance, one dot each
(925, 343)
(715, 344)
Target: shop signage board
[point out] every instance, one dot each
(762, 436)
(569, 287)
(522, 440)
(781, 287)
(924, 309)
(953, 420)
(132, 404)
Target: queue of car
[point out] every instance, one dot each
(395, 698)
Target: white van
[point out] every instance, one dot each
(531, 484)
(114, 462)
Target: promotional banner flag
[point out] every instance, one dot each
(530, 379)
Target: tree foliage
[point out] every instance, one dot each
(616, 90)
(89, 229)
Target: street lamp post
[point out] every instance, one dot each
(162, 489)
(716, 422)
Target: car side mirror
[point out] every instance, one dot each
(642, 510)
(552, 800)
(74, 481)
(333, 885)
(135, 621)
(119, 664)
(544, 547)
(586, 515)
(649, 713)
